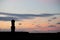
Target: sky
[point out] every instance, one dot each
(32, 23)
(30, 6)
(33, 16)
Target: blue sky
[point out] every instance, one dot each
(30, 6)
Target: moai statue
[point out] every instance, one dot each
(12, 25)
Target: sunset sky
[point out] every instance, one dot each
(34, 16)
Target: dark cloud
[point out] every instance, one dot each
(23, 16)
(49, 20)
(15, 18)
(20, 23)
(51, 26)
(34, 15)
(7, 18)
(58, 23)
(54, 18)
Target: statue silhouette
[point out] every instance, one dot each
(12, 25)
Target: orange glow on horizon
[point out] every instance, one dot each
(37, 24)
